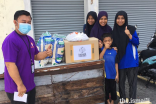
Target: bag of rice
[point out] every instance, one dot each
(58, 49)
(44, 41)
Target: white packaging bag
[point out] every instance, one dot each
(77, 36)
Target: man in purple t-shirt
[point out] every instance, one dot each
(20, 51)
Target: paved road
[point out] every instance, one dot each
(142, 91)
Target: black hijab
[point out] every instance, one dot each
(120, 39)
(89, 27)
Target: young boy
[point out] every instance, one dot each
(111, 68)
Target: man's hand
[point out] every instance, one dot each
(21, 90)
(49, 51)
(100, 44)
(43, 55)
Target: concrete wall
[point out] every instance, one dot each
(7, 10)
(47, 87)
(74, 76)
(90, 5)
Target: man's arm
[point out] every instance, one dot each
(41, 55)
(14, 74)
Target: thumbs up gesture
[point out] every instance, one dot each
(49, 51)
(127, 31)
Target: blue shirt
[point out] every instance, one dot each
(109, 57)
(130, 59)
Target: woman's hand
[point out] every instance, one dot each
(128, 33)
(117, 78)
(100, 44)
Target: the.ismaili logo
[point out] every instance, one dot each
(82, 52)
(82, 49)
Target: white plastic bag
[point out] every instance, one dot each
(76, 36)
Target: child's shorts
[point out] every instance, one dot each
(110, 87)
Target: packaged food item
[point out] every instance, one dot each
(59, 36)
(76, 36)
(58, 50)
(43, 43)
(57, 45)
(43, 62)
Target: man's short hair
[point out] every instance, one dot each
(107, 35)
(21, 12)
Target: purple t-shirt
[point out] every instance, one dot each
(15, 50)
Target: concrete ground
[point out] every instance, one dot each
(142, 91)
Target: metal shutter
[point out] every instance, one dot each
(140, 12)
(57, 16)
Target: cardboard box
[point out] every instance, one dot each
(81, 51)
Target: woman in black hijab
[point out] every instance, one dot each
(90, 21)
(125, 38)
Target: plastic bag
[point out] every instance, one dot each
(76, 36)
(59, 36)
(57, 46)
(43, 43)
(58, 49)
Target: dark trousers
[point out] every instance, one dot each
(110, 87)
(30, 98)
(131, 74)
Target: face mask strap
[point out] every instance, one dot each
(17, 22)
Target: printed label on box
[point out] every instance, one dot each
(82, 52)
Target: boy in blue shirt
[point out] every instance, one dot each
(111, 68)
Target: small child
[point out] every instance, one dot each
(111, 68)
